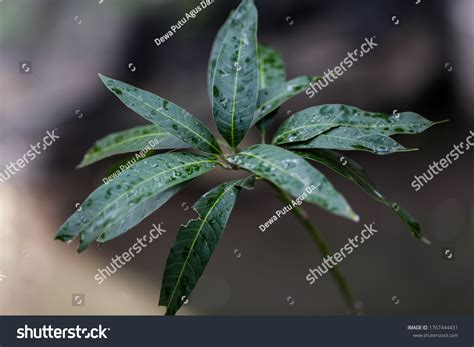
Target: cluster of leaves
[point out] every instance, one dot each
(247, 85)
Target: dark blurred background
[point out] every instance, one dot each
(422, 64)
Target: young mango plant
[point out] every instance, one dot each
(247, 85)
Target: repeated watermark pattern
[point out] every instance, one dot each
(333, 260)
(437, 167)
(333, 74)
(35, 150)
(123, 259)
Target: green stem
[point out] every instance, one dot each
(301, 214)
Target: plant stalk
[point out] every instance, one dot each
(341, 282)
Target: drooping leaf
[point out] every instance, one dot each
(271, 67)
(313, 121)
(273, 97)
(140, 138)
(350, 169)
(196, 241)
(272, 71)
(350, 139)
(168, 116)
(157, 202)
(117, 206)
(235, 84)
(294, 175)
(264, 124)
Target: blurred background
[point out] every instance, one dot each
(422, 64)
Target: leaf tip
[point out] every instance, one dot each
(354, 216)
(82, 164)
(442, 121)
(426, 241)
(103, 78)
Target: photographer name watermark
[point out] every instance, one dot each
(138, 156)
(296, 202)
(189, 15)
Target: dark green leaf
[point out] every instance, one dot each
(123, 164)
(350, 139)
(121, 204)
(157, 202)
(273, 97)
(271, 67)
(141, 138)
(294, 175)
(196, 241)
(353, 171)
(264, 124)
(168, 116)
(216, 47)
(314, 121)
(272, 72)
(235, 84)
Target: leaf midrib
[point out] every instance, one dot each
(260, 115)
(175, 120)
(341, 124)
(132, 139)
(357, 139)
(234, 96)
(271, 164)
(203, 221)
(138, 185)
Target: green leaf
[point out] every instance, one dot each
(122, 165)
(271, 67)
(216, 47)
(314, 121)
(272, 72)
(294, 175)
(157, 202)
(117, 206)
(141, 138)
(168, 116)
(353, 171)
(235, 83)
(350, 139)
(196, 241)
(273, 97)
(264, 124)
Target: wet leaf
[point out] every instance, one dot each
(142, 138)
(216, 47)
(168, 116)
(196, 242)
(115, 207)
(235, 80)
(272, 98)
(271, 67)
(353, 139)
(353, 171)
(294, 175)
(264, 124)
(316, 120)
(155, 204)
